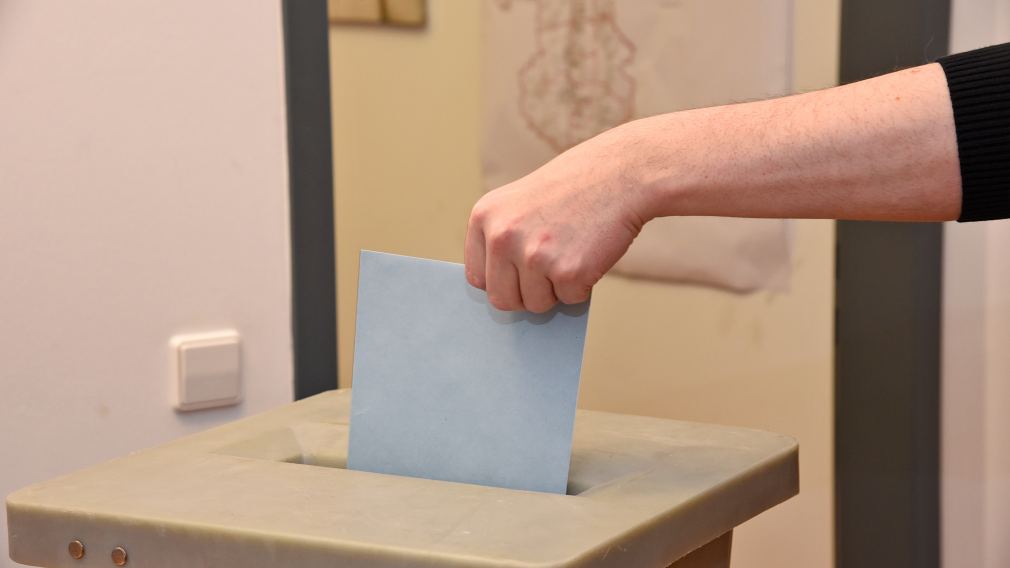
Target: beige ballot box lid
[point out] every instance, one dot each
(271, 490)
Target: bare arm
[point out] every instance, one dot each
(881, 149)
(878, 149)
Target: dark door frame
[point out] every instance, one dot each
(310, 164)
(887, 336)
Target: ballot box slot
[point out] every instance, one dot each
(324, 444)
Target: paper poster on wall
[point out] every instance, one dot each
(557, 72)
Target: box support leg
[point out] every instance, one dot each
(713, 555)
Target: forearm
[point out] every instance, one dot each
(881, 149)
(890, 148)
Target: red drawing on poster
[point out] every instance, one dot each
(576, 84)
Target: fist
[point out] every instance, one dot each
(552, 235)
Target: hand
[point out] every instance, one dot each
(553, 234)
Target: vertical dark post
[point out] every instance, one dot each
(887, 367)
(310, 162)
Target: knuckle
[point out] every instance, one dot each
(538, 253)
(573, 283)
(576, 276)
(479, 213)
(566, 275)
(537, 258)
(501, 240)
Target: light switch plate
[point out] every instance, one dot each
(208, 370)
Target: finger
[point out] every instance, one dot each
(473, 254)
(574, 295)
(503, 284)
(570, 289)
(536, 291)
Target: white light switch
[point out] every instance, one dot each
(209, 371)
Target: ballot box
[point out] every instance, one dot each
(272, 491)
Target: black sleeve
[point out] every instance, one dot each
(979, 83)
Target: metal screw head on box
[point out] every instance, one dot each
(119, 556)
(76, 549)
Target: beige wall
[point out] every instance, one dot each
(406, 111)
(405, 143)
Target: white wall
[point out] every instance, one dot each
(975, 442)
(143, 193)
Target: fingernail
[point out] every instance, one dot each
(473, 280)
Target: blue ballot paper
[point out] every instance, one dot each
(447, 387)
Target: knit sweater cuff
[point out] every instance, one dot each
(979, 83)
